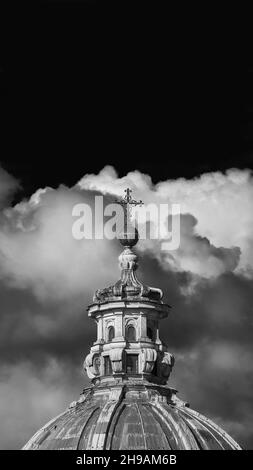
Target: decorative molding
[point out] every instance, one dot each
(92, 369)
(148, 357)
(167, 364)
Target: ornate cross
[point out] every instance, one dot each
(126, 202)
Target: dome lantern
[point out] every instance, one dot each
(129, 404)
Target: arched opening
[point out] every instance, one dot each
(96, 364)
(131, 333)
(111, 333)
(108, 365)
(154, 370)
(149, 332)
(132, 364)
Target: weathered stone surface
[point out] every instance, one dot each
(125, 419)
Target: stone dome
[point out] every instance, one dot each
(129, 405)
(131, 417)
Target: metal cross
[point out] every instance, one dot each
(126, 202)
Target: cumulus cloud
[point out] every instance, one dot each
(47, 278)
(195, 255)
(35, 233)
(38, 250)
(220, 206)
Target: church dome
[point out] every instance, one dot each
(129, 405)
(131, 418)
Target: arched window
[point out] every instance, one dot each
(132, 364)
(96, 364)
(154, 370)
(131, 333)
(149, 332)
(108, 365)
(111, 333)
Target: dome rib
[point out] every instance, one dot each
(131, 422)
(157, 438)
(87, 434)
(102, 425)
(32, 443)
(164, 426)
(115, 418)
(201, 434)
(127, 431)
(142, 426)
(185, 440)
(214, 427)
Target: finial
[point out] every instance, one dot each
(129, 236)
(128, 196)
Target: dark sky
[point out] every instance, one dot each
(85, 86)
